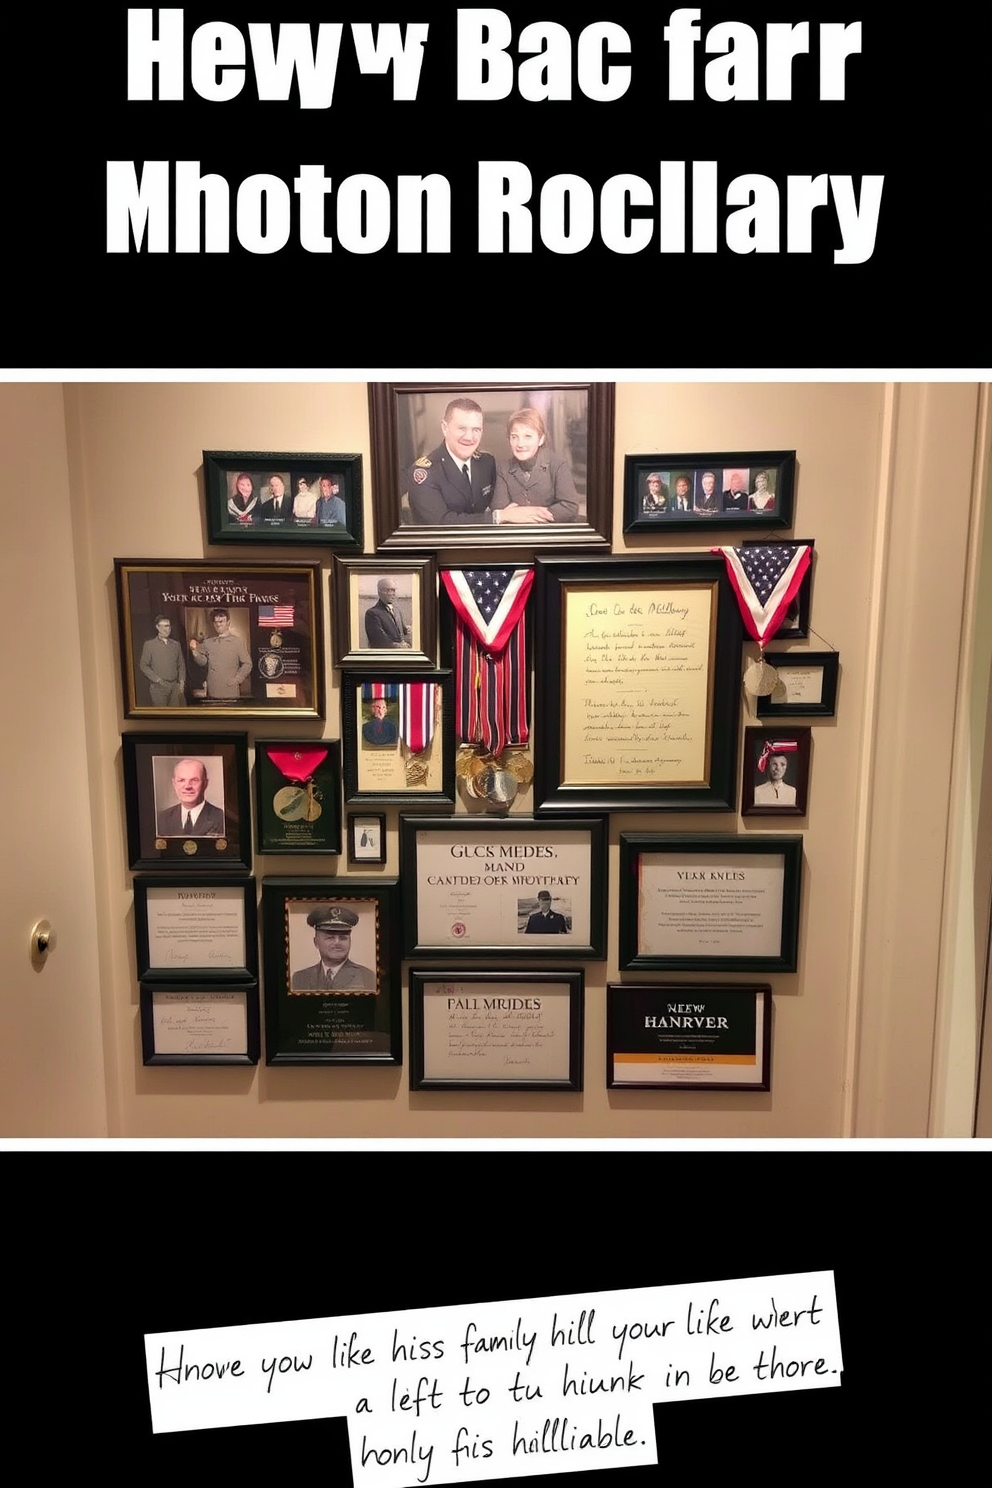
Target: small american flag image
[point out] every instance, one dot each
(272, 615)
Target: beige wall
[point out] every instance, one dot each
(844, 1060)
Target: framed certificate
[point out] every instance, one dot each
(298, 792)
(199, 1024)
(709, 902)
(807, 685)
(186, 801)
(496, 1030)
(637, 702)
(688, 1036)
(332, 971)
(193, 929)
(399, 737)
(510, 887)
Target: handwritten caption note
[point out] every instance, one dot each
(545, 1385)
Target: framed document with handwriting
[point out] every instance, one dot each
(638, 702)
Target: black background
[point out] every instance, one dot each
(914, 113)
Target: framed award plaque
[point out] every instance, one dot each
(298, 795)
(691, 1036)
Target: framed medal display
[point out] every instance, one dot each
(186, 801)
(298, 795)
(398, 737)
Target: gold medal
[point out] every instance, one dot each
(520, 766)
(416, 770)
(189, 848)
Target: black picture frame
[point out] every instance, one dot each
(359, 615)
(566, 858)
(578, 763)
(199, 1023)
(482, 1029)
(298, 796)
(405, 431)
(330, 525)
(359, 1023)
(389, 772)
(195, 928)
(808, 680)
(786, 793)
(654, 483)
(221, 838)
(688, 1036)
(766, 933)
(366, 838)
(271, 664)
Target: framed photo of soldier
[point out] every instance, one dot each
(726, 489)
(331, 962)
(806, 687)
(189, 928)
(776, 771)
(257, 497)
(492, 465)
(199, 1024)
(298, 795)
(385, 610)
(204, 636)
(399, 737)
(186, 801)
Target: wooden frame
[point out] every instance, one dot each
(305, 924)
(807, 686)
(638, 703)
(472, 886)
(688, 1036)
(181, 658)
(160, 779)
(722, 490)
(380, 765)
(298, 795)
(198, 929)
(574, 466)
(709, 902)
(203, 1023)
(406, 635)
(776, 771)
(320, 498)
(495, 1030)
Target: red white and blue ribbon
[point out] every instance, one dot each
(490, 654)
(417, 714)
(766, 579)
(776, 746)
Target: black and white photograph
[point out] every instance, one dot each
(776, 771)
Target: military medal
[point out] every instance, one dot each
(300, 800)
(766, 577)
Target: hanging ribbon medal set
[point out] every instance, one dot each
(419, 713)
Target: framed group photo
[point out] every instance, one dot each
(776, 771)
(201, 637)
(502, 465)
(688, 1036)
(332, 971)
(298, 795)
(399, 737)
(385, 611)
(727, 489)
(186, 801)
(255, 496)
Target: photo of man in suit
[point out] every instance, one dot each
(546, 921)
(379, 729)
(385, 627)
(334, 971)
(193, 815)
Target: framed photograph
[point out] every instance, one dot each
(186, 801)
(399, 737)
(255, 496)
(298, 795)
(496, 464)
(709, 902)
(206, 637)
(503, 887)
(637, 703)
(776, 771)
(199, 1024)
(806, 687)
(496, 1030)
(190, 928)
(366, 837)
(688, 1036)
(751, 489)
(332, 971)
(385, 612)
(795, 625)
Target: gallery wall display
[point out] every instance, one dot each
(385, 611)
(190, 927)
(495, 1030)
(255, 496)
(504, 887)
(399, 743)
(728, 489)
(638, 699)
(332, 971)
(199, 1023)
(688, 1036)
(200, 637)
(709, 902)
(539, 458)
(776, 771)
(807, 685)
(186, 801)
(298, 795)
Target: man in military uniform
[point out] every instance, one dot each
(546, 921)
(455, 483)
(162, 663)
(335, 971)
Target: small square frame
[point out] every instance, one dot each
(200, 941)
(810, 693)
(357, 613)
(336, 520)
(688, 1036)
(191, 1040)
(222, 835)
(758, 790)
(298, 796)
(373, 850)
(652, 484)
(385, 772)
